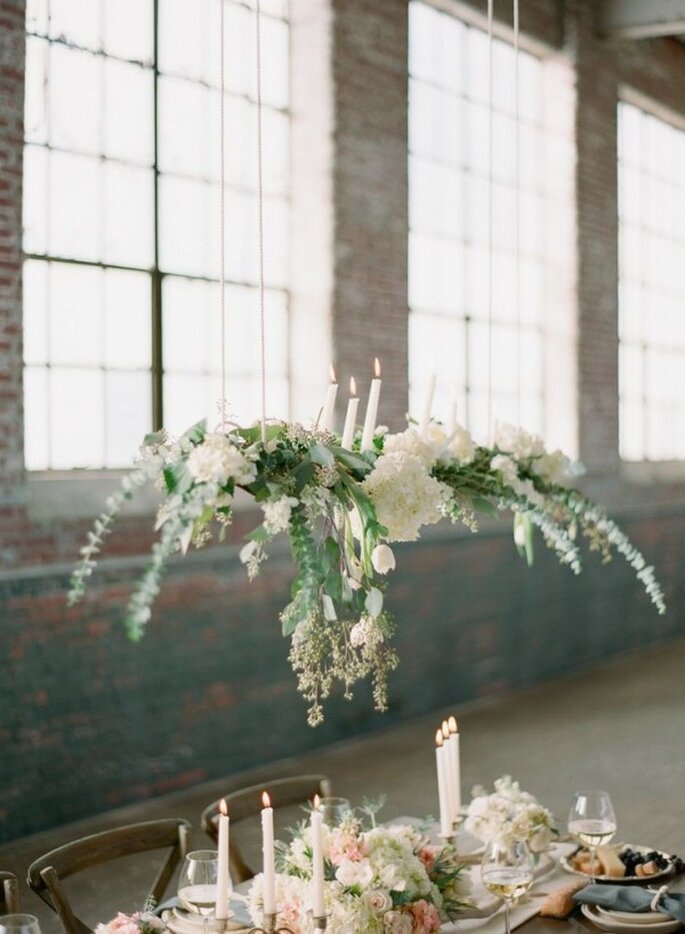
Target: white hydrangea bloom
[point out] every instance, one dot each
(217, 460)
(517, 442)
(277, 514)
(411, 442)
(404, 495)
(461, 445)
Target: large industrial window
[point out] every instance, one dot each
(448, 219)
(121, 218)
(651, 175)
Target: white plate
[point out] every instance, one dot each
(634, 917)
(619, 880)
(622, 927)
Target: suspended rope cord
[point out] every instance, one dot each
(517, 209)
(490, 215)
(222, 214)
(260, 215)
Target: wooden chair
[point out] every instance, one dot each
(47, 873)
(9, 893)
(247, 802)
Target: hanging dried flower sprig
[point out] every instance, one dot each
(340, 509)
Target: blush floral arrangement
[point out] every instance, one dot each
(378, 879)
(509, 813)
(342, 509)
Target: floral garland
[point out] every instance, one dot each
(379, 879)
(510, 814)
(340, 509)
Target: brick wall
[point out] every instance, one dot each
(89, 720)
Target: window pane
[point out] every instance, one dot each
(129, 129)
(128, 334)
(129, 29)
(129, 235)
(35, 102)
(188, 226)
(128, 414)
(75, 209)
(76, 314)
(77, 427)
(187, 112)
(35, 287)
(36, 418)
(35, 219)
(75, 96)
(77, 22)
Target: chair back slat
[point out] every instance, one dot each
(9, 893)
(246, 802)
(47, 873)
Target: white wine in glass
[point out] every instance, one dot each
(592, 821)
(506, 870)
(197, 882)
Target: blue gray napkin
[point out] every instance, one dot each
(631, 898)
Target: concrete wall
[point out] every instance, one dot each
(89, 720)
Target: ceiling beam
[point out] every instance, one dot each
(642, 19)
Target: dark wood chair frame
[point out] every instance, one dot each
(47, 872)
(10, 893)
(247, 802)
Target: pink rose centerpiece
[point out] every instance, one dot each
(378, 879)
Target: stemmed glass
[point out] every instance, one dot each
(19, 924)
(506, 870)
(197, 883)
(333, 810)
(592, 821)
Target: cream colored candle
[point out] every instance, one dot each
(222, 875)
(350, 416)
(268, 856)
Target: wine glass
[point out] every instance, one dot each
(592, 821)
(198, 882)
(333, 810)
(19, 924)
(506, 870)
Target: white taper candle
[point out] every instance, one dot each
(268, 856)
(350, 416)
(372, 409)
(223, 874)
(318, 906)
(443, 794)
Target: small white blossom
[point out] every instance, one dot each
(217, 460)
(277, 514)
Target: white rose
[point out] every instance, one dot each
(351, 873)
(383, 559)
(377, 900)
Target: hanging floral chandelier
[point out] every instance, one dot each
(343, 499)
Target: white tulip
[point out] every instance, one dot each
(383, 559)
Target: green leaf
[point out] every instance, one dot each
(177, 479)
(196, 432)
(153, 438)
(303, 474)
(258, 535)
(329, 554)
(353, 461)
(480, 504)
(321, 455)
